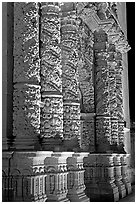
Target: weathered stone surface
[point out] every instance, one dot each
(76, 184)
(26, 43)
(99, 178)
(27, 177)
(26, 115)
(88, 132)
(57, 177)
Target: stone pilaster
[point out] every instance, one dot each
(120, 111)
(124, 173)
(86, 85)
(57, 175)
(99, 178)
(118, 176)
(111, 61)
(51, 73)
(71, 94)
(26, 76)
(76, 186)
(102, 96)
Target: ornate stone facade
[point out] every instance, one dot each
(67, 99)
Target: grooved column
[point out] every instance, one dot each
(102, 95)
(71, 97)
(51, 76)
(26, 96)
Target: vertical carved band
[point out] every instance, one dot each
(71, 121)
(71, 95)
(102, 96)
(51, 71)
(120, 112)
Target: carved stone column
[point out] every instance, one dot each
(51, 76)
(124, 173)
(26, 76)
(118, 176)
(86, 85)
(56, 168)
(102, 95)
(111, 61)
(120, 112)
(99, 178)
(71, 95)
(76, 186)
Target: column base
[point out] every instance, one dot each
(127, 186)
(51, 144)
(121, 188)
(104, 192)
(75, 196)
(57, 199)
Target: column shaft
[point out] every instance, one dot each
(26, 96)
(51, 76)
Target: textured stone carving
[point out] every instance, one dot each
(70, 84)
(85, 68)
(121, 132)
(26, 115)
(69, 42)
(51, 75)
(52, 116)
(26, 42)
(114, 131)
(87, 132)
(71, 120)
(103, 133)
(26, 96)
(50, 49)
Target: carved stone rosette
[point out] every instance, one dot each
(99, 178)
(51, 75)
(70, 86)
(26, 75)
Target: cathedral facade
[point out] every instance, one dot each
(66, 130)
